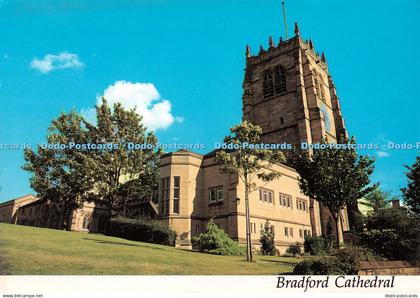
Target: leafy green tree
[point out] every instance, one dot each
(60, 174)
(122, 173)
(267, 240)
(334, 176)
(71, 175)
(377, 199)
(249, 163)
(393, 233)
(412, 191)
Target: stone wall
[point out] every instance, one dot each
(388, 268)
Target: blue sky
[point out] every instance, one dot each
(193, 54)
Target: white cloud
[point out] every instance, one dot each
(383, 141)
(144, 97)
(60, 61)
(382, 154)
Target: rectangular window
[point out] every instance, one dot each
(286, 231)
(266, 196)
(176, 181)
(301, 204)
(291, 232)
(255, 228)
(300, 233)
(272, 229)
(176, 194)
(285, 200)
(220, 194)
(164, 196)
(215, 194)
(197, 229)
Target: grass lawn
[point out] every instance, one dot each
(29, 250)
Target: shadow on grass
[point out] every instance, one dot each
(287, 273)
(279, 262)
(3, 267)
(119, 243)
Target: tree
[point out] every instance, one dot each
(334, 176)
(267, 240)
(94, 162)
(411, 193)
(393, 233)
(377, 199)
(60, 174)
(123, 172)
(248, 162)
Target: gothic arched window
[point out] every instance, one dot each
(268, 89)
(279, 80)
(86, 222)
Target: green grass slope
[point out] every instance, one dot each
(37, 251)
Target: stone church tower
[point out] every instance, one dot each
(289, 93)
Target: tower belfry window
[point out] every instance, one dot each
(268, 88)
(279, 80)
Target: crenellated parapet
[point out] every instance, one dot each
(284, 46)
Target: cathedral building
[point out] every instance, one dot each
(29, 210)
(289, 93)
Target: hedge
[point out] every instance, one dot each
(141, 230)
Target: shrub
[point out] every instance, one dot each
(341, 263)
(141, 230)
(319, 266)
(324, 266)
(267, 241)
(359, 253)
(294, 249)
(216, 241)
(318, 245)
